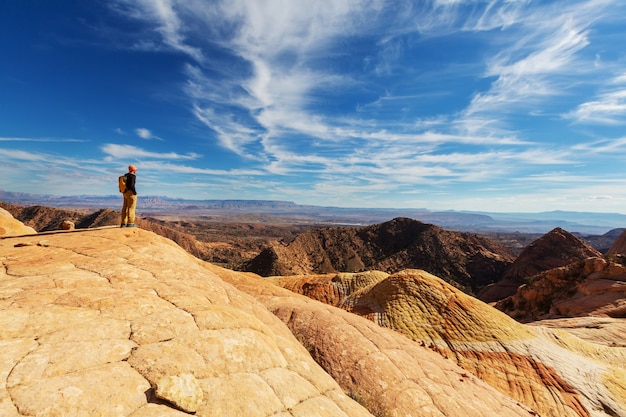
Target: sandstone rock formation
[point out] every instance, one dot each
(103, 217)
(122, 322)
(67, 225)
(591, 287)
(330, 289)
(554, 249)
(11, 227)
(390, 374)
(604, 330)
(603, 243)
(550, 371)
(465, 259)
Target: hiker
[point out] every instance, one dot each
(130, 198)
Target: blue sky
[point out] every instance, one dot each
(465, 105)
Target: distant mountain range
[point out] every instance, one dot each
(542, 222)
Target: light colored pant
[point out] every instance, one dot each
(128, 209)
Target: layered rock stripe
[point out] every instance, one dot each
(550, 371)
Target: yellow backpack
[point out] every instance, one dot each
(122, 183)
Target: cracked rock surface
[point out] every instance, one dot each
(121, 322)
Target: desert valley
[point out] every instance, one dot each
(260, 315)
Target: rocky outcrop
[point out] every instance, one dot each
(532, 365)
(122, 322)
(464, 259)
(186, 241)
(590, 287)
(41, 218)
(45, 219)
(100, 218)
(554, 249)
(11, 227)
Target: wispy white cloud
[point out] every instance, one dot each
(144, 133)
(608, 108)
(281, 43)
(614, 147)
(49, 172)
(185, 169)
(280, 90)
(162, 14)
(16, 139)
(134, 153)
(20, 155)
(533, 67)
(268, 103)
(234, 136)
(46, 161)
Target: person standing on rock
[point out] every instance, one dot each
(130, 198)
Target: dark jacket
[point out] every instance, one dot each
(130, 183)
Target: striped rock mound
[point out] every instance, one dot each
(388, 373)
(549, 370)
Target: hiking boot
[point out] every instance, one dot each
(131, 225)
(124, 225)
